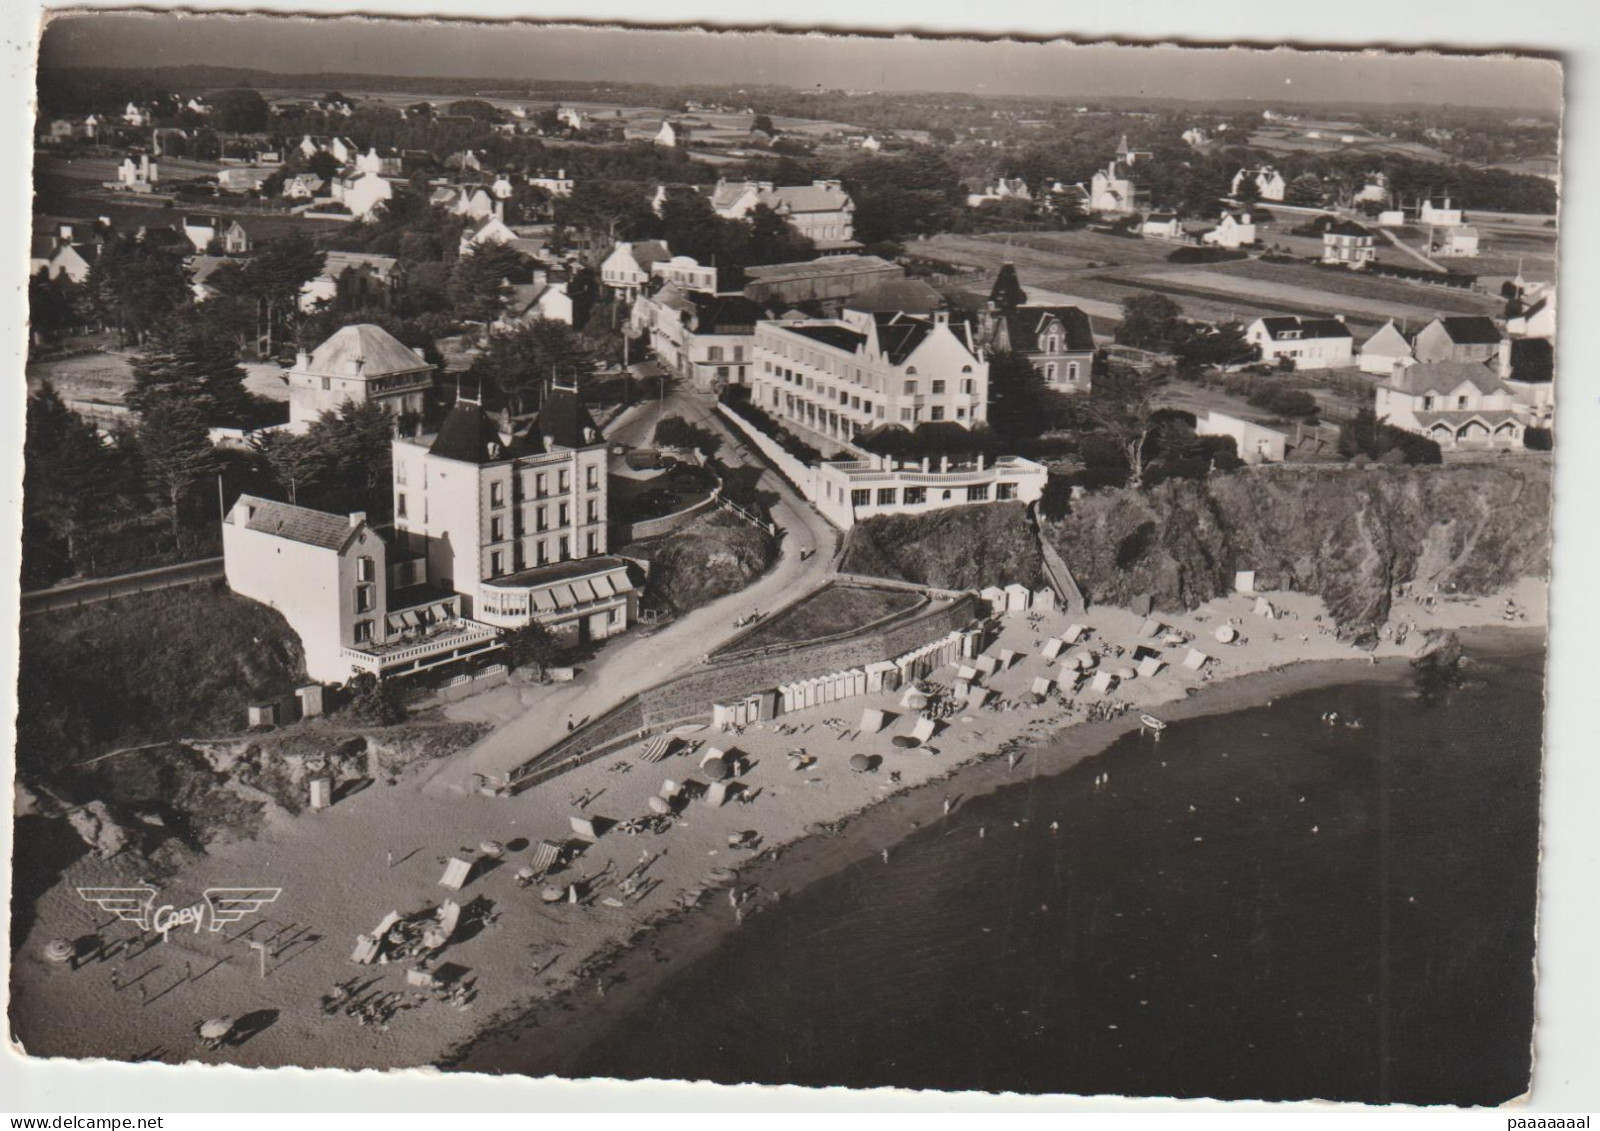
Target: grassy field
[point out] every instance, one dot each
(1342, 285)
(834, 610)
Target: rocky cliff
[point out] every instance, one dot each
(1348, 535)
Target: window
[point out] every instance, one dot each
(1427, 403)
(543, 552)
(541, 485)
(1461, 402)
(563, 481)
(938, 412)
(565, 547)
(541, 519)
(594, 477)
(961, 414)
(966, 386)
(714, 354)
(722, 372)
(363, 632)
(886, 496)
(905, 416)
(594, 510)
(365, 598)
(614, 617)
(400, 474)
(1050, 371)
(497, 494)
(1072, 371)
(938, 387)
(911, 388)
(565, 515)
(1004, 492)
(978, 494)
(400, 505)
(366, 568)
(594, 543)
(861, 497)
(497, 529)
(914, 496)
(326, 384)
(497, 563)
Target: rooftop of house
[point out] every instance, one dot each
(1471, 330)
(363, 350)
(473, 435)
(833, 334)
(579, 570)
(1346, 228)
(829, 267)
(297, 524)
(1026, 325)
(1441, 377)
(910, 296)
(1292, 328)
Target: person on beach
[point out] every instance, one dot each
(947, 805)
(116, 980)
(885, 855)
(982, 831)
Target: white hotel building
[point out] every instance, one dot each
(832, 379)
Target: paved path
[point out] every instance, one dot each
(638, 661)
(123, 585)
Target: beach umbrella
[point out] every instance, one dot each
(1226, 633)
(216, 1029)
(1127, 673)
(860, 763)
(904, 741)
(60, 950)
(493, 849)
(553, 894)
(715, 768)
(660, 806)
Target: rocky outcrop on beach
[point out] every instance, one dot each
(1350, 536)
(956, 548)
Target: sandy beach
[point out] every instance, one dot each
(384, 848)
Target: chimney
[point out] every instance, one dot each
(944, 464)
(357, 518)
(941, 317)
(302, 360)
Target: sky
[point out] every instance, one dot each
(523, 52)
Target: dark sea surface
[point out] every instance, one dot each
(1258, 905)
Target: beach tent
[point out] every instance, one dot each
(913, 700)
(977, 697)
(1142, 604)
(1104, 682)
(1086, 659)
(967, 672)
(1264, 609)
(722, 715)
(1073, 633)
(717, 794)
(961, 688)
(455, 874)
(669, 789)
(882, 676)
(658, 748)
(1044, 600)
(1244, 581)
(1150, 666)
(546, 855)
(1008, 656)
(366, 950)
(995, 597)
(1226, 633)
(1195, 660)
(583, 827)
(1018, 598)
(1150, 628)
(1144, 652)
(711, 752)
(924, 729)
(1042, 686)
(1052, 648)
(1174, 639)
(872, 721)
(987, 664)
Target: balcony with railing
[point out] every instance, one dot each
(428, 647)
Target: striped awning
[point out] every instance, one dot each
(542, 601)
(562, 595)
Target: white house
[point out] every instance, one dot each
(361, 364)
(1235, 229)
(1004, 188)
(138, 176)
(352, 279)
(1256, 443)
(1439, 213)
(1269, 182)
(1113, 190)
(1348, 244)
(1457, 404)
(1162, 225)
(200, 231)
(363, 193)
(1392, 218)
(135, 115)
(666, 136)
(1387, 348)
(1457, 243)
(1311, 343)
(343, 149)
(302, 186)
(687, 273)
(1195, 136)
(558, 185)
(627, 269)
(1538, 317)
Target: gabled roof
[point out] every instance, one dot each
(899, 335)
(826, 197)
(1026, 325)
(726, 313)
(1471, 330)
(1443, 376)
(297, 524)
(1346, 228)
(366, 351)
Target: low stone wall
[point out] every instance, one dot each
(667, 523)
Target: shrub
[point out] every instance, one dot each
(1206, 255)
(368, 699)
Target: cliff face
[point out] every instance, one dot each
(1348, 535)
(958, 548)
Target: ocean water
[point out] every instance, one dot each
(1258, 905)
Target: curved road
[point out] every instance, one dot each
(637, 661)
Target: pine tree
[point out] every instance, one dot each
(187, 360)
(176, 452)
